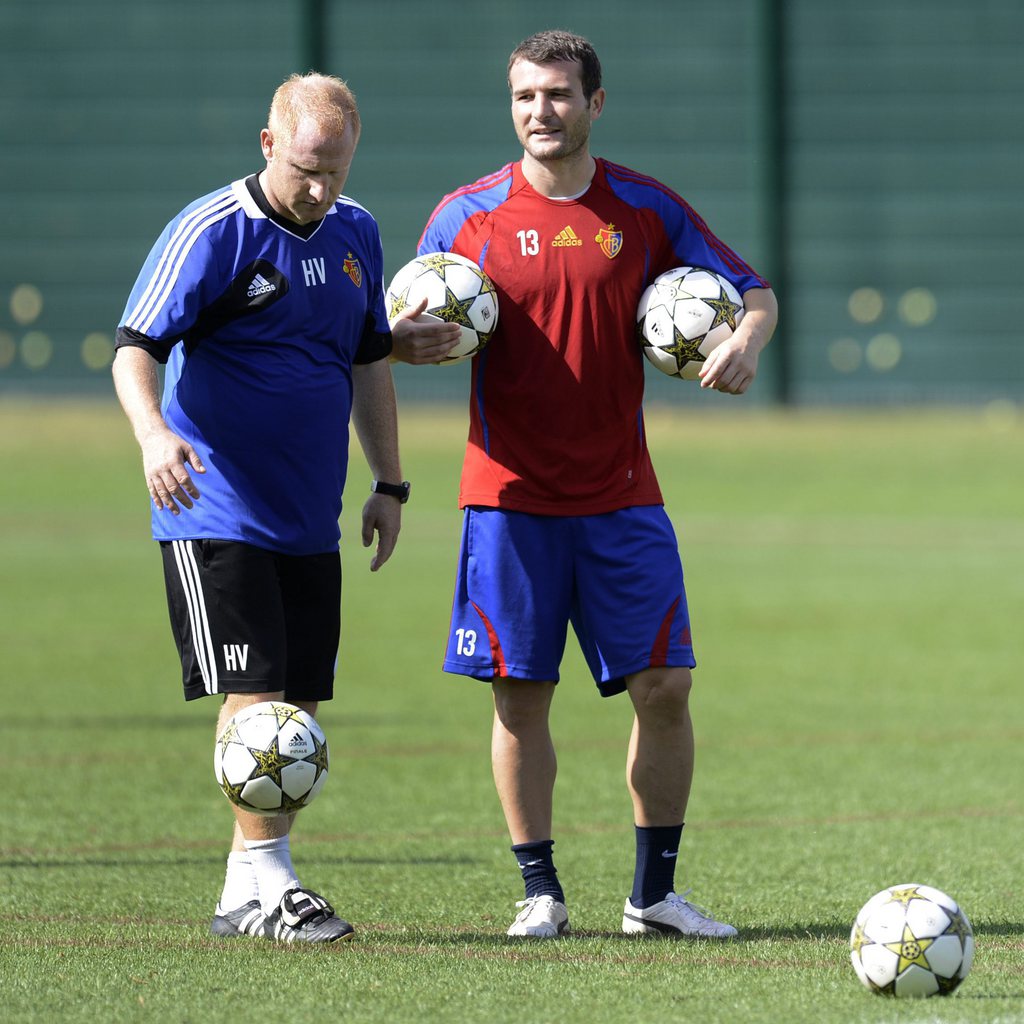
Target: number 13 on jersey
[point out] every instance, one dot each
(529, 242)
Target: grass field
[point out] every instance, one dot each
(857, 589)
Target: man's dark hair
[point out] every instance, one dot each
(554, 45)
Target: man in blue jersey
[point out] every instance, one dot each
(563, 512)
(264, 300)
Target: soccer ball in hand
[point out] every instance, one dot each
(685, 314)
(911, 940)
(456, 290)
(271, 758)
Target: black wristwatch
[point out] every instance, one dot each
(399, 491)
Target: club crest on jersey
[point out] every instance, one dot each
(354, 271)
(610, 241)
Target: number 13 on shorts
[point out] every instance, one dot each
(465, 642)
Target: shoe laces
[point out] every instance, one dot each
(677, 898)
(531, 903)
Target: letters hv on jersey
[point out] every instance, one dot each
(260, 284)
(255, 288)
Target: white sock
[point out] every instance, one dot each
(272, 863)
(240, 884)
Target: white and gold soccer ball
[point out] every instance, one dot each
(685, 314)
(911, 940)
(457, 291)
(271, 758)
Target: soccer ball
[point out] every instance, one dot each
(911, 940)
(271, 758)
(456, 290)
(685, 314)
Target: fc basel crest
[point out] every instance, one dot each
(354, 271)
(610, 241)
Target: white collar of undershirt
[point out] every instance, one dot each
(569, 199)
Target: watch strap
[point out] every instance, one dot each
(399, 491)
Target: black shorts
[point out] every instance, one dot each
(247, 620)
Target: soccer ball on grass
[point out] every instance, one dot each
(271, 758)
(683, 316)
(911, 940)
(457, 291)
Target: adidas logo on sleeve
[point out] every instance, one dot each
(260, 286)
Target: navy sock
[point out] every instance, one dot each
(538, 868)
(657, 849)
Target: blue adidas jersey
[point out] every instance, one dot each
(259, 321)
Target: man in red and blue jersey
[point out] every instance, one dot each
(563, 515)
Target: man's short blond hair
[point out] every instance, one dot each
(324, 99)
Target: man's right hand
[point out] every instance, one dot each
(166, 459)
(422, 341)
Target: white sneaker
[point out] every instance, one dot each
(542, 917)
(674, 917)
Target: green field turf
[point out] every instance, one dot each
(857, 591)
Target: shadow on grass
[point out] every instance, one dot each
(170, 722)
(747, 936)
(39, 864)
(1001, 929)
(796, 931)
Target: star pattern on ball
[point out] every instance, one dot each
(318, 757)
(904, 896)
(233, 791)
(229, 734)
(398, 303)
(290, 806)
(270, 763)
(958, 926)
(454, 310)
(859, 940)
(684, 350)
(287, 713)
(725, 311)
(437, 261)
(674, 292)
(910, 950)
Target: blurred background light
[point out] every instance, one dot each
(883, 352)
(26, 304)
(866, 305)
(36, 350)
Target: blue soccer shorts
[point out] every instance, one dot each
(523, 578)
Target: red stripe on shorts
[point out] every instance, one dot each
(659, 652)
(497, 655)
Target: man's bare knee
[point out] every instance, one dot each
(521, 702)
(661, 691)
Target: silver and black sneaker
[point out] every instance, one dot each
(676, 917)
(305, 916)
(245, 920)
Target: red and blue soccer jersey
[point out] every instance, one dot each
(556, 418)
